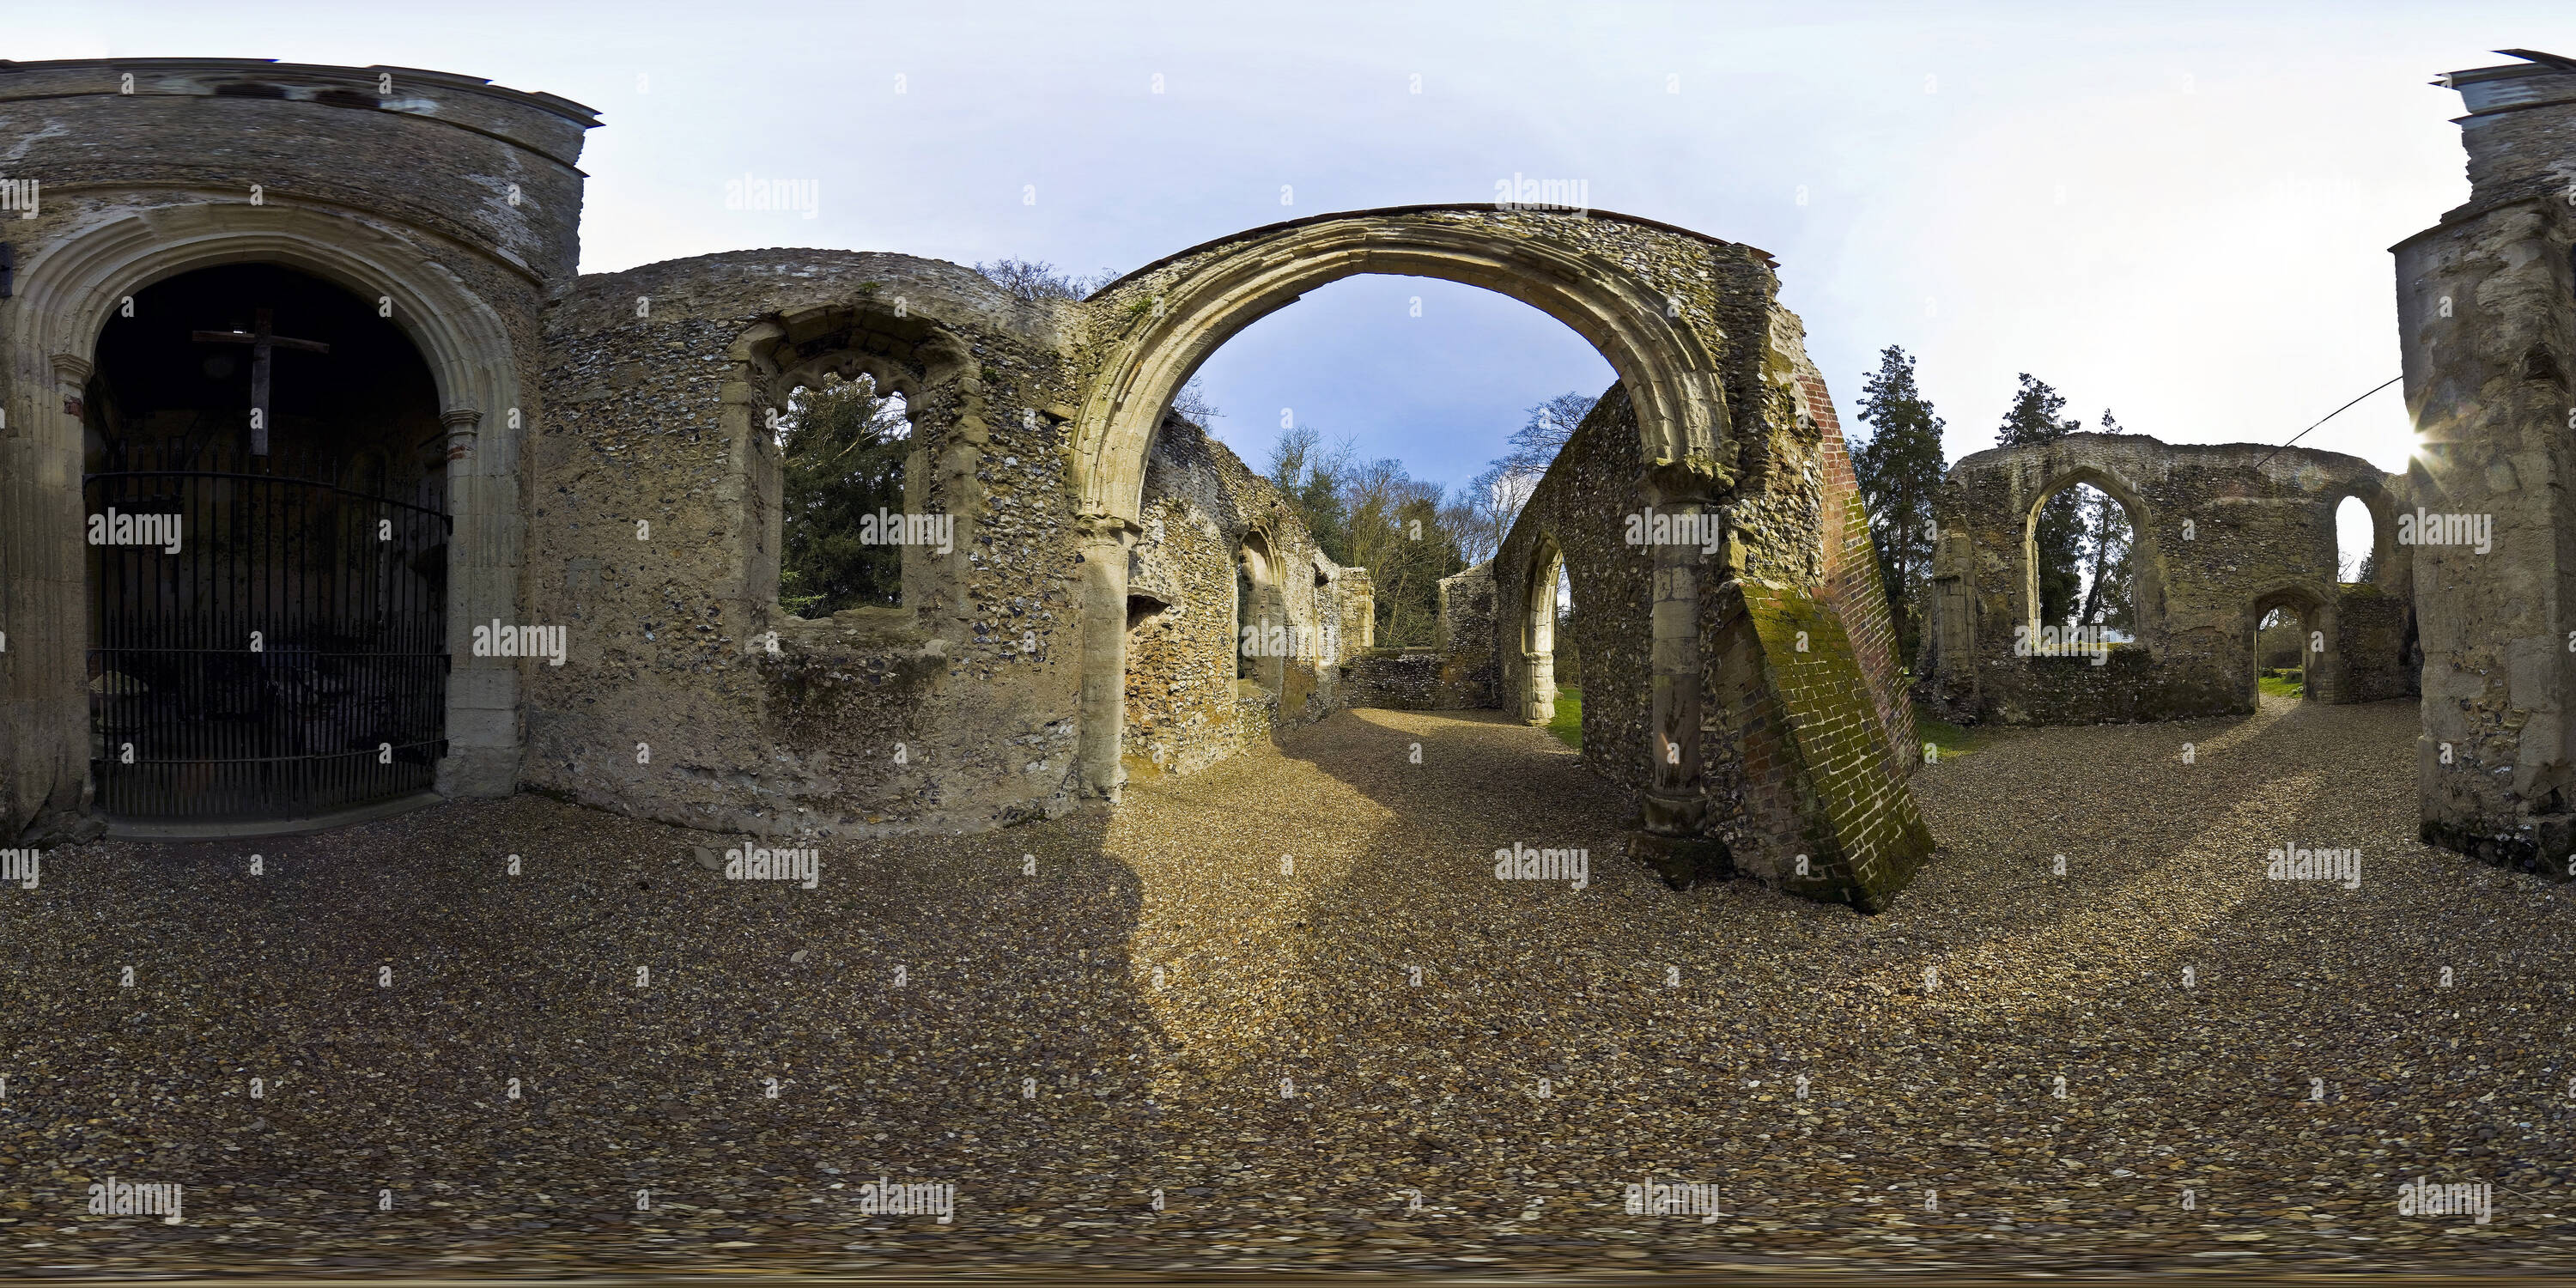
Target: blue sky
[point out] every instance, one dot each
(2180, 211)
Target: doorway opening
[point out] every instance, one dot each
(264, 481)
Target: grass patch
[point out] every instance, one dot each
(1953, 740)
(2282, 685)
(1568, 724)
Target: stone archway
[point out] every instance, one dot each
(1538, 633)
(2313, 602)
(1648, 296)
(2145, 563)
(72, 286)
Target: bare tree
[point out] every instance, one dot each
(1036, 279)
(1191, 404)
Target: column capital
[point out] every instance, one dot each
(462, 425)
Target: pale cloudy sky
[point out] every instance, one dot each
(2177, 210)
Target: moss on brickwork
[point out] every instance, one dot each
(1865, 834)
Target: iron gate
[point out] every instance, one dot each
(287, 659)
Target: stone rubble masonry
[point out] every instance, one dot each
(1807, 735)
(2224, 534)
(1455, 674)
(613, 472)
(2486, 315)
(1185, 708)
(950, 710)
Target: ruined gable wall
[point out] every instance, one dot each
(1185, 708)
(956, 709)
(1458, 671)
(2224, 533)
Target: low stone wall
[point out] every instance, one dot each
(1414, 679)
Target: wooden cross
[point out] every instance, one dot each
(261, 342)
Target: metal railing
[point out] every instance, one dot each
(288, 658)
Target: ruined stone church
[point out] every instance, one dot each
(411, 510)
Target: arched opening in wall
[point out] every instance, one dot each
(264, 479)
(1540, 616)
(1341, 402)
(1262, 635)
(2088, 582)
(2284, 648)
(846, 531)
(2356, 542)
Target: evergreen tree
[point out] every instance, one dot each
(2108, 541)
(2058, 540)
(841, 455)
(1899, 470)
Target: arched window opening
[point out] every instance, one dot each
(2083, 546)
(1261, 632)
(2356, 542)
(842, 447)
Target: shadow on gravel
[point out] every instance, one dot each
(452, 1059)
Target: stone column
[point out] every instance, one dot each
(482, 693)
(1105, 540)
(1541, 669)
(44, 609)
(1675, 800)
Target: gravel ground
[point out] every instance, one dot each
(1135, 1017)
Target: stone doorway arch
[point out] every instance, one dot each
(1653, 299)
(69, 289)
(2312, 603)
